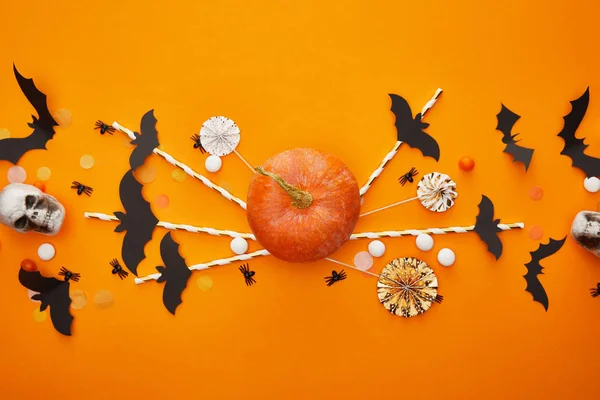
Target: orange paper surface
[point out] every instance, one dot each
(305, 74)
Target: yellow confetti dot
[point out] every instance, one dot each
(104, 299)
(63, 117)
(39, 316)
(4, 133)
(179, 175)
(44, 173)
(205, 283)
(86, 161)
(78, 299)
(145, 174)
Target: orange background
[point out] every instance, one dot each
(312, 74)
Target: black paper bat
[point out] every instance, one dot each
(487, 228)
(12, 149)
(138, 220)
(175, 273)
(410, 131)
(146, 142)
(534, 286)
(574, 148)
(53, 293)
(506, 121)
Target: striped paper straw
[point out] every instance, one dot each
(179, 227)
(430, 231)
(394, 150)
(215, 263)
(186, 169)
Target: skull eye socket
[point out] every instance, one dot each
(30, 201)
(21, 223)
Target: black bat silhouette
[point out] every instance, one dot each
(53, 293)
(12, 149)
(146, 142)
(487, 228)
(506, 121)
(574, 148)
(410, 131)
(534, 286)
(175, 273)
(138, 220)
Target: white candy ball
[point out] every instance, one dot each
(46, 252)
(424, 242)
(376, 248)
(239, 245)
(591, 184)
(213, 163)
(446, 257)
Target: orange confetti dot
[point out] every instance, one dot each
(536, 233)
(145, 174)
(86, 161)
(39, 316)
(28, 265)
(179, 175)
(63, 117)
(40, 185)
(44, 173)
(466, 164)
(536, 193)
(4, 133)
(161, 201)
(104, 299)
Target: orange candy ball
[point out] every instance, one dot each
(28, 265)
(466, 164)
(40, 185)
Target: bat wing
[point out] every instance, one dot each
(12, 149)
(506, 121)
(36, 282)
(60, 306)
(520, 154)
(402, 111)
(134, 243)
(146, 142)
(574, 148)
(426, 143)
(534, 268)
(487, 228)
(176, 273)
(130, 192)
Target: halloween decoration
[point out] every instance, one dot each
(118, 270)
(574, 148)
(46, 252)
(586, 231)
(506, 121)
(28, 265)
(389, 156)
(487, 228)
(52, 293)
(437, 192)
(197, 143)
(466, 164)
(377, 248)
(69, 276)
(82, 189)
(407, 287)
(335, 277)
(170, 159)
(595, 292)
(104, 128)
(591, 184)
(146, 142)
(534, 286)
(248, 275)
(424, 242)
(175, 273)
(408, 177)
(220, 136)
(446, 257)
(289, 198)
(26, 208)
(138, 220)
(238, 245)
(12, 149)
(213, 163)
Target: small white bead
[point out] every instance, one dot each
(591, 184)
(424, 242)
(46, 252)
(213, 163)
(239, 245)
(446, 257)
(377, 248)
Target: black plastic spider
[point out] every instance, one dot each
(438, 299)
(81, 188)
(73, 276)
(197, 143)
(104, 128)
(335, 277)
(248, 275)
(595, 292)
(117, 269)
(408, 177)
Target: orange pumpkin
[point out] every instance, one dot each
(303, 205)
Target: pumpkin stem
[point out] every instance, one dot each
(300, 198)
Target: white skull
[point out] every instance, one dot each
(25, 207)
